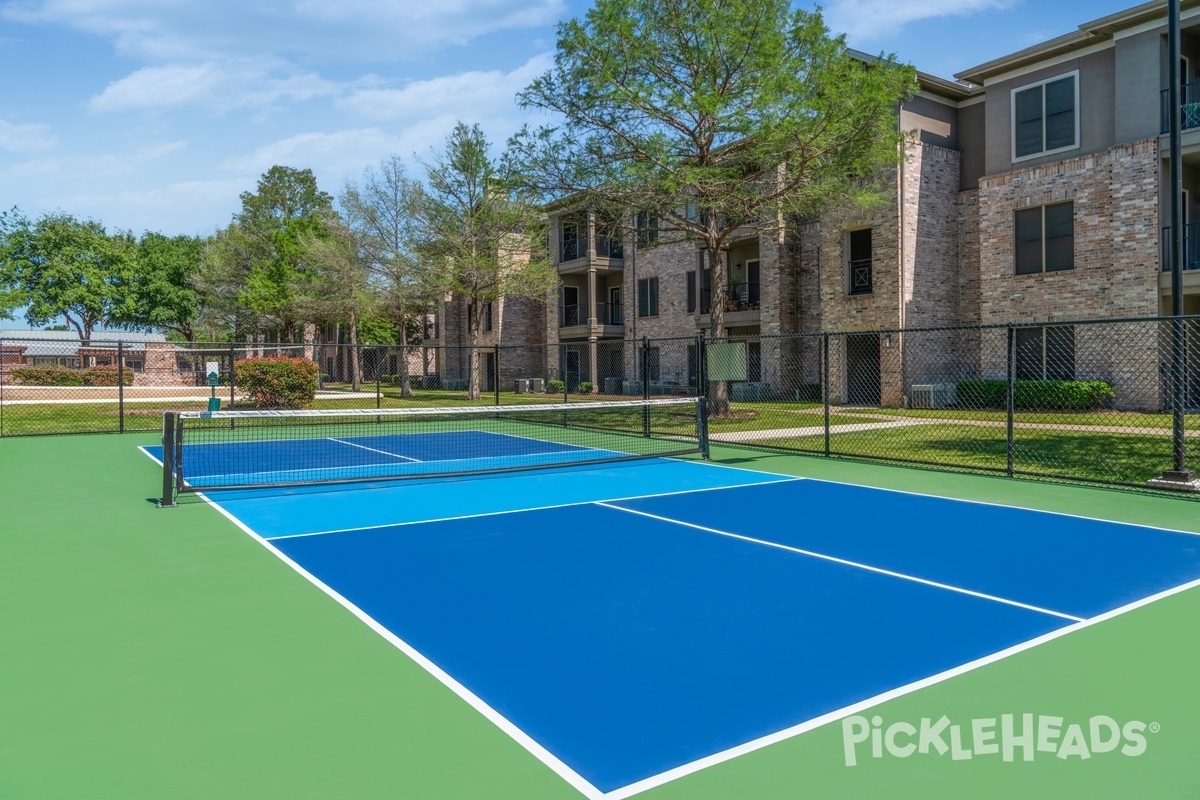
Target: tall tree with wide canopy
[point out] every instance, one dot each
(260, 252)
(483, 239)
(63, 267)
(714, 117)
(159, 294)
(382, 211)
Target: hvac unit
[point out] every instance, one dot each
(933, 395)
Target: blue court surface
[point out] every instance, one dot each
(634, 622)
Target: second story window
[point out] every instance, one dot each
(1045, 238)
(648, 297)
(691, 291)
(1044, 117)
(858, 262)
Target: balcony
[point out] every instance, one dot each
(1191, 247)
(1189, 107)
(573, 249)
(610, 319)
(738, 297)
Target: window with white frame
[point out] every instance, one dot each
(1045, 117)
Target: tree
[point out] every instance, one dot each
(65, 267)
(260, 252)
(337, 281)
(11, 297)
(484, 240)
(714, 117)
(159, 293)
(382, 211)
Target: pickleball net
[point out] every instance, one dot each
(224, 450)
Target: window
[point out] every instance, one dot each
(691, 291)
(1044, 118)
(858, 264)
(648, 297)
(486, 317)
(1046, 354)
(1045, 238)
(647, 228)
(569, 250)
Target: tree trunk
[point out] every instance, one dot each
(355, 356)
(473, 381)
(718, 391)
(405, 381)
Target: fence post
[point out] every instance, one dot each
(825, 385)
(121, 384)
(378, 379)
(646, 385)
(1010, 402)
(496, 373)
(701, 364)
(232, 381)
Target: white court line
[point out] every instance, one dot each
(523, 510)
(967, 500)
(373, 450)
(499, 720)
(845, 562)
(862, 705)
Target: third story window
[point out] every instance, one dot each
(648, 297)
(1044, 118)
(1045, 238)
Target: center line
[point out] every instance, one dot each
(373, 450)
(845, 562)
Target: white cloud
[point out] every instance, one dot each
(220, 87)
(313, 30)
(27, 138)
(865, 20)
(472, 93)
(328, 155)
(187, 207)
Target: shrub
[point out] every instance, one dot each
(48, 375)
(585, 387)
(277, 382)
(106, 376)
(1037, 395)
(555, 386)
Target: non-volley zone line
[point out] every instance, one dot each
(846, 562)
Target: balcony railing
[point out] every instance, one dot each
(738, 297)
(1189, 107)
(860, 276)
(606, 314)
(576, 247)
(1191, 247)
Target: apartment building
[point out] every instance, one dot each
(1033, 189)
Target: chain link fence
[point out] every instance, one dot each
(1108, 401)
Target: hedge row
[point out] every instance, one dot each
(54, 375)
(1043, 395)
(277, 382)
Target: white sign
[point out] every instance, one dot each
(211, 367)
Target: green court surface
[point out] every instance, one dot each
(152, 653)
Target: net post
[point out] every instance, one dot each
(702, 426)
(1010, 396)
(121, 383)
(168, 461)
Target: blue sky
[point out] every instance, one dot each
(157, 114)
